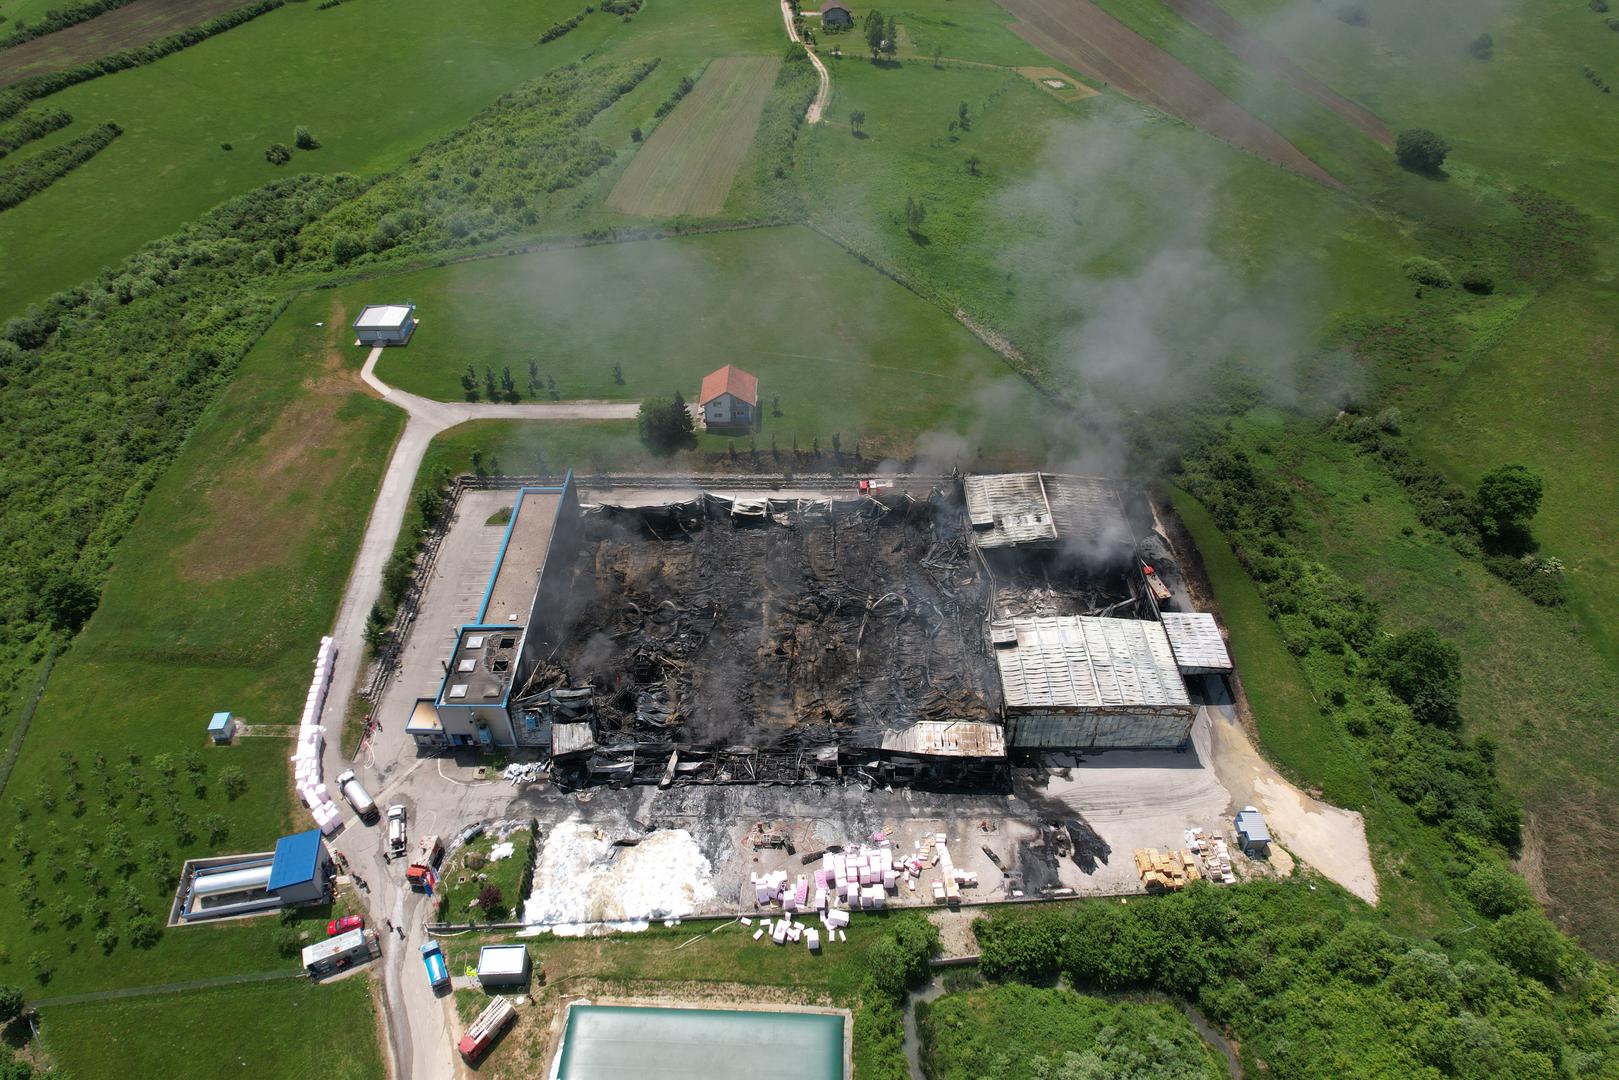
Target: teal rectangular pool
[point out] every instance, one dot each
(616, 1042)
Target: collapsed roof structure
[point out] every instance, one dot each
(924, 633)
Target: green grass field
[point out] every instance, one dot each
(290, 1028)
(1530, 678)
(688, 164)
(843, 348)
(217, 601)
(305, 66)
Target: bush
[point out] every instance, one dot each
(1427, 272)
(144, 932)
(278, 153)
(1423, 670)
(1508, 498)
(289, 943)
(303, 140)
(1527, 943)
(1478, 282)
(1481, 47)
(30, 126)
(1599, 6)
(1420, 150)
(1495, 890)
(490, 902)
(11, 1003)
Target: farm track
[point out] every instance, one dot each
(122, 28)
(1088, 39)
(689, 163)
(1254, 51)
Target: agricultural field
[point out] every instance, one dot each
(687, 166)
(217, 600)
(817, 338)
(122, 28)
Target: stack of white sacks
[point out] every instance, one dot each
(306, 762)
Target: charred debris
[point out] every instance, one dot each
(737, 640)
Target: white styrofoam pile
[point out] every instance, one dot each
(501, 851)
(523, 772)
(306, 761)
(583, 883)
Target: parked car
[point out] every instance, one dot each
(438, 972)
(345, 924)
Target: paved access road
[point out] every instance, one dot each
(418, 1021)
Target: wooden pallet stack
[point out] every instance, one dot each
(1166, 870)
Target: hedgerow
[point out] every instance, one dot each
(487, 180)
(59, 19)
(39, 172)
(16, 97)
(32, 125)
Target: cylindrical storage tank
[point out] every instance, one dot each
(231, 881)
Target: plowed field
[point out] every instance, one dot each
(119, 29)
(1214, 21)
(1088, 39)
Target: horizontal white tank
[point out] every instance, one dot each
(231, 881)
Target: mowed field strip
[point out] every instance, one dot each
(687, 166)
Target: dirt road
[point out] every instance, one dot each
(812, 115)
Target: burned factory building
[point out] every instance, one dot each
(927, 633)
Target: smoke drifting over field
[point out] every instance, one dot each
(1120, 262)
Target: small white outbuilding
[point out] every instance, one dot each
(385, 324)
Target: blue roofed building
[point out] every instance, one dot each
(300, 870)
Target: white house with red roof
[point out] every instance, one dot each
(730, 401)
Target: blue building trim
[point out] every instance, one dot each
(483, 608)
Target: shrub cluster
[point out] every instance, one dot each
(14, 98)
(1442, 505)
(1356, 670)
(1314, 991)
(556, 30)
(56, 19)
(783, 116)
(683, 88)
(39, 172)
(1427, 272)
(35, 124)
(897, 962)
(485, 181)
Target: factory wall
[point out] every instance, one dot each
(1161, 729)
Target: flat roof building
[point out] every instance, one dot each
(503, 965)
(300, 869)
(385, 324)
(1077, 682)
(519, 619)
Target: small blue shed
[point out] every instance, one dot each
(299, 871)
(221, 727)
(1252, 835)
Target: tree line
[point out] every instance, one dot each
(35, 174)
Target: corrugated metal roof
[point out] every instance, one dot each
(1080, 662)
(1196, 639)
(1252, 826)
(571, 739)
(948, 738)
(297, 860)
(1044, 508)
